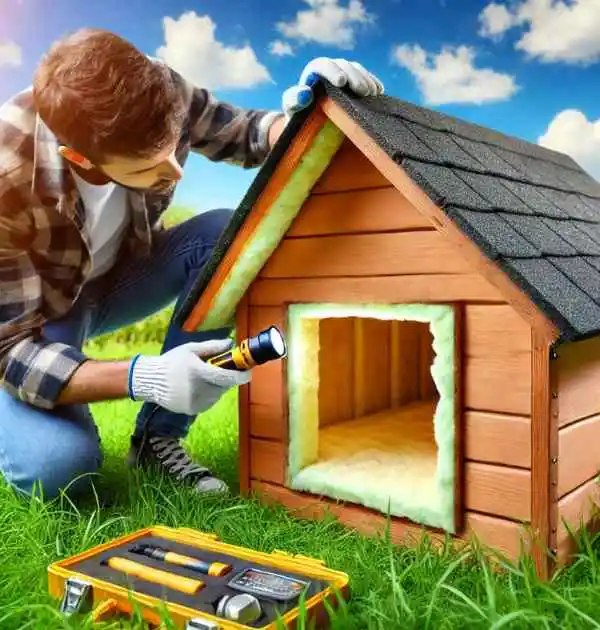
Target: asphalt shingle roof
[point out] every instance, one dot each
(533, 211)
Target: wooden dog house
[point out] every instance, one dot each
(438, 284)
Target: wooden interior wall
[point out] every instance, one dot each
(358, 240)
(578, 367)
(368, 365)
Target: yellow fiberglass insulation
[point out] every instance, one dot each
(267, 236)
(398, 462)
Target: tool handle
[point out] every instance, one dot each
(195, 564)
(170, 580)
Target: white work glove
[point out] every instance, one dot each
(180, 381)
(339, 72)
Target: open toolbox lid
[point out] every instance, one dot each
(247, 589)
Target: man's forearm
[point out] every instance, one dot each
(95, 381)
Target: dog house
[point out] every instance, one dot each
(438, 284)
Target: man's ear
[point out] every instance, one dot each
(76, 158)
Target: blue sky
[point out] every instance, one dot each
(529, 68)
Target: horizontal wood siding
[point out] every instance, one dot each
(577, 509)
(358, 241)
(430, 288)
(489, 489)
(350, 170)
(578, 367)
(578, 453)
(578, 403)
(506, 536)
(498, 438)
(364, 255)
(267, 414)
(344, 213)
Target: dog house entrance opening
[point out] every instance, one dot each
(366, 410)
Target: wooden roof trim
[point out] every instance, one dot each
(277, 182)
(398, 177)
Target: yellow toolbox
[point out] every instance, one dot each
(203, 583)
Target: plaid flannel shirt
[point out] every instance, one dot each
(44, 247)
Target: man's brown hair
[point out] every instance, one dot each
(103, 98)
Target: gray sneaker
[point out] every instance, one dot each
(167, 454)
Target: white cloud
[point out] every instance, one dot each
(192, 49)
(280, 48)
(327, 22)
(10, 54)
(495, 20)
(452, 77)
(554, 30)
(572, 133)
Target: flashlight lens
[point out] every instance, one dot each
(277, 341)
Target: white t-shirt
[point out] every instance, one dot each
(107, 219)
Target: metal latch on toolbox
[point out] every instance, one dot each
(201, 624)
(77, 596)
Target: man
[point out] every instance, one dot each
(89, 159)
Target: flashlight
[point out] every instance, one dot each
(268, 345)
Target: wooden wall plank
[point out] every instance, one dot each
(268, 461)
(404, 378)
(438, 289)
(578, 378)
(350, 170)
(266, 420)
(506, 536)
(495, 329)
(397, 253)
(580, 507)
(371, 366)
(578, 453)
(495, 490)
(498, 383)
(498, 438)
(363, 211)
(267, 381)
(336, 370)
(498, 490)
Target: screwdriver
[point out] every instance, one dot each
(195, 564)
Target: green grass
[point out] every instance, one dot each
(393, 587)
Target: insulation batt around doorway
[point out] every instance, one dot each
(413, 480)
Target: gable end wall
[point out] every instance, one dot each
(358, 239)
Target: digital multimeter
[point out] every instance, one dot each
(266, 584)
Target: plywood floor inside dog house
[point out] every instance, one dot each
(394, 449)
(383, 434)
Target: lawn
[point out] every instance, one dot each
(392, 587)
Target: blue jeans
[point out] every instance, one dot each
(53, 448)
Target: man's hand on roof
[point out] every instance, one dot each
(338, 72)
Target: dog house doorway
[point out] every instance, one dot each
(371, 404)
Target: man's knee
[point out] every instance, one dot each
(69, 467)
(209, 225)
(45, 453)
